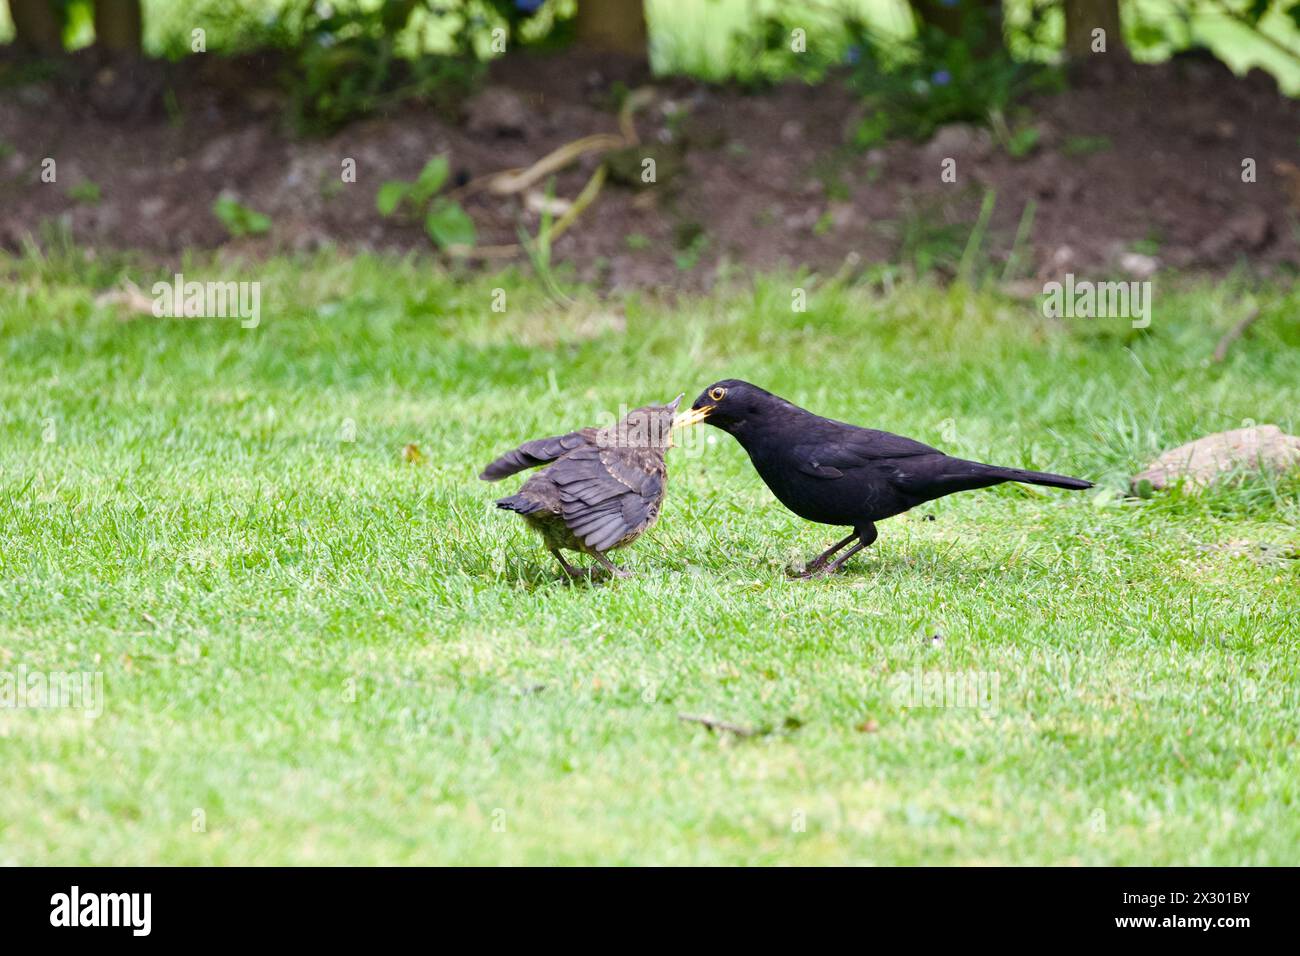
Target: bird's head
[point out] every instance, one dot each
(649, 428)
(731, 405)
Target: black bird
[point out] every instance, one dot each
(836, 473)
(604, 488)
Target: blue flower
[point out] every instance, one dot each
(853, 54)
(941, 78)
(948, 3)
(528, 6)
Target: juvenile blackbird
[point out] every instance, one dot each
(837, 473)
(603, 488)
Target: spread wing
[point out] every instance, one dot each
(608, 494)
(537, 452)
(846, 450)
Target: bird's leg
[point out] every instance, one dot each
(866, 534)
(611, 567)
(817, 563)
(569, 569)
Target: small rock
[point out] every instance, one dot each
(842, 215)
(960, 139)
(497, 111)
(152, 207)
(1199, 463)
(1059, 262)
(801, 221)
(1139, 266)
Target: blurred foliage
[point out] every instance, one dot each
(352, 58)
(349, 58)
(348, 62)
(239, 219)
(913, 88)
(445, 220)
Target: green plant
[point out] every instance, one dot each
(691, 241)
(86, 192)
(445, 220)
(352, 60)
(1149, 245)
(913, 88)
(927, 243)
(1018, 141)
(239, 219)
(1084, 145)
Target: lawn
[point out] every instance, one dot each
(316, 651)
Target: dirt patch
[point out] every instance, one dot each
(1138, 168)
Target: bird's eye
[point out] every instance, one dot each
(717, 394)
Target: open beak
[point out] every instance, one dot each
(692, 416)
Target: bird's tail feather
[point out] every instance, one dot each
(520, 504)
(531, 454)
(1040, 478)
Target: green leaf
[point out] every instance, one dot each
(431, 178)
(1148, 35)
(448, 225)
(872, 131)
(390, 196)
(1023, 142)
(239, 220)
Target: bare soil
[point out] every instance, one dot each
(1135, 164)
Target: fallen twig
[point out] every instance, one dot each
(1234, 333)
(511, 181)
(714, 724)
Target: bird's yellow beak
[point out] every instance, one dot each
(692, 416)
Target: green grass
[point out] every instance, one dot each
(341, 657)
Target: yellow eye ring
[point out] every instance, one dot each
(717, 394)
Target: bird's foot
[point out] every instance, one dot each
(810, 571)
(610, 568)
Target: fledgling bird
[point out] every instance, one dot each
(603, 487)
(835, 473)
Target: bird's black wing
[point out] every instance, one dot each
(608, 494)
(537, 452)
(829, 453)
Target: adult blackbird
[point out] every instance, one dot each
(836, 473)
(603, 488)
